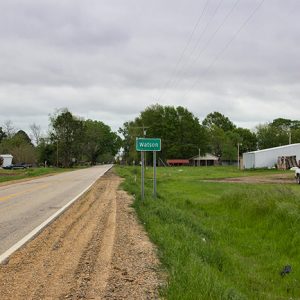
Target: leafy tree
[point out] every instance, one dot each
(46, 152)
(101, 144)
(275, 133)
(22, 136)
(247, 140)
(179, 129)
(129, 132)
(68, 134)
(219, 120)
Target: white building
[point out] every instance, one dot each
(267, 158)
(7, 159)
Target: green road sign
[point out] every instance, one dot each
(145, 144)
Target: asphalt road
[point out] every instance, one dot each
(25, 205)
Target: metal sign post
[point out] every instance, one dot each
(147, 144)
(143, 175)
(154, 174)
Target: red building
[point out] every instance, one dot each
(178, 162)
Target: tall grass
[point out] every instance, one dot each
(219, 240)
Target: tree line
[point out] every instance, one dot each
(70, 140)
(183, 135)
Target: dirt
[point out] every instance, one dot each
(273, 179)
(96, 250)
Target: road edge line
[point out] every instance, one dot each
(31, 235)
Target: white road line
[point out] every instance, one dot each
(39, 228)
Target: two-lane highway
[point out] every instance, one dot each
(26, 205)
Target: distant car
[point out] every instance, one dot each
(17, 166)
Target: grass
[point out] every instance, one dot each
(8, 175)
(221, 240)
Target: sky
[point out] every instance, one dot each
(109, 60)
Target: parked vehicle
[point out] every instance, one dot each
(17, 166)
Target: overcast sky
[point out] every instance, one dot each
(109, 60)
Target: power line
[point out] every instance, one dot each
(211, 38)
(199, 40)
(217, 57)
(185, 48)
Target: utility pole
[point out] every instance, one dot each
(144, 133)
(199, 158)
(57, 153)
(238, 155)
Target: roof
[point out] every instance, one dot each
(177, 161)
(6, 155)
(207, 156)
(280, 147)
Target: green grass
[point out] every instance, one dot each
(221, 240)
(8, 175)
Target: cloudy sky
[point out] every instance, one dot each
(108, 60)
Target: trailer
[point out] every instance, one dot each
(268, 158)
(7, 160)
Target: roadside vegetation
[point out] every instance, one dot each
(9, 175)
(70, 141)
(221, 240)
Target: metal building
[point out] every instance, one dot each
(267, 158)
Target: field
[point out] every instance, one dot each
(9, 175)
(222, 240)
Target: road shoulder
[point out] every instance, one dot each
(96, 250)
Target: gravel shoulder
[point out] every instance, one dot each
(96, 250)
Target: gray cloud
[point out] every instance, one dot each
(108, 60)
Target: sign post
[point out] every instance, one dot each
(153, 145)
(143, 174)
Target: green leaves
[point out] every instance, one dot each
(181, 133)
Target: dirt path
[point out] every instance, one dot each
(273, 179)
(95, 250)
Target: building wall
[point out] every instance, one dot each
(267, 158)
(249, 160)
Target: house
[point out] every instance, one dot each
(204, 160)
(267, 158)
(7, 159)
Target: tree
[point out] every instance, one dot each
(35, 133)
(222, 136)
(179, 129)
(21, 135)
(67, 133)
(46, 152)
(276, 133)
(247, 140)
(101, 144)
(8, 128)
(219, 120)
(2, 134)
(217, 139)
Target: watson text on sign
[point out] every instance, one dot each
(148, 144)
